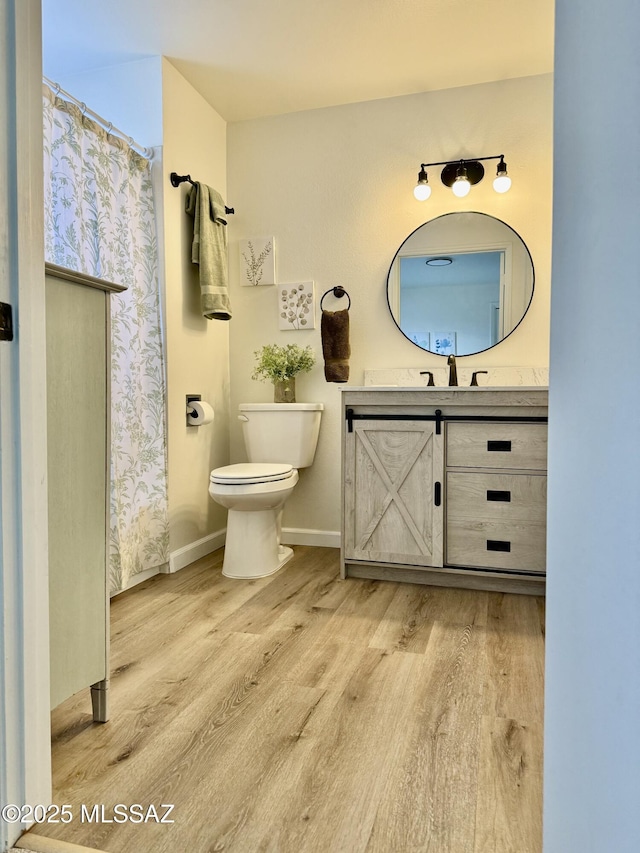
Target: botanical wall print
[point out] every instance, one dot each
(257, 261)
(297, 306)
(444, 343)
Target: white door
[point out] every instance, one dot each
(25, 762)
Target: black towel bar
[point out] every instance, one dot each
(177, 179)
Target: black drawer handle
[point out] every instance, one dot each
(437, 493)
(503, 446)
(496, 495)
(498, 545)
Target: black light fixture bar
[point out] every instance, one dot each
(461, 174)
(462, 160)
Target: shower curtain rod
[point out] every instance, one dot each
(114, 131)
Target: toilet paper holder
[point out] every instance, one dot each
(192, 398)
(193, 412)
(199, 412)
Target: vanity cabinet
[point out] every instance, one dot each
(78, 358)
(446, 486)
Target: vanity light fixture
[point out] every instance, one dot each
(422, 190)
(502, 181)
(462, 184)
(461, 175)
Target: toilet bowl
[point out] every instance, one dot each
(280, 438)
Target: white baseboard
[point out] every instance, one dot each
(194, 550)
(134, 580)
(290, 536)
(303, 536)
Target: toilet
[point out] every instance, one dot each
(279, 438)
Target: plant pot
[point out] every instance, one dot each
(284, 391)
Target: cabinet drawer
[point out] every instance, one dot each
(486, 543)
(499, 497)
(497, 445)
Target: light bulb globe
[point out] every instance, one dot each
(502, 183)
(422, 191)
(461, 187)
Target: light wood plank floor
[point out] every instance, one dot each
(302, 713)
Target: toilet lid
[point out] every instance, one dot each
(251, 472)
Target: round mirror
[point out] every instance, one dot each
(460, 283)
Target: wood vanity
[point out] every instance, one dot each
(445, 486)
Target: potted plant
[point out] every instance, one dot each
(280, 366)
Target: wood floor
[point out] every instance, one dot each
(302, 712)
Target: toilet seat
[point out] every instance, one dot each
(248, 473)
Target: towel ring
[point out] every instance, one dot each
(338, 292)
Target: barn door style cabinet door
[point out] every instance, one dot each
(393, 484)
(446, 486)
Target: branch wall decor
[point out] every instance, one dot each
(257, 261)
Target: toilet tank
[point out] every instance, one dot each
(281, 432)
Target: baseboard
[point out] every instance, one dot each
(194, 550)
(134, 580)
(290, 536)
(303, 536)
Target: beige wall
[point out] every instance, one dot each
(334, 187)
(198, 349)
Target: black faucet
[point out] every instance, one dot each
(453, 373)
(474, 377)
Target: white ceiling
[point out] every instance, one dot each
(252, 58)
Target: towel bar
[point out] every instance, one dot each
(177, 179)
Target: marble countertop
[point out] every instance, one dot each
(443, 388)
(489, 377)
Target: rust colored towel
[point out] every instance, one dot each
(334, 328)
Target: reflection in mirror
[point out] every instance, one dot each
(460, 283)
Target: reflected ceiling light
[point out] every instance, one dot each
(439, 262)
(461, 175)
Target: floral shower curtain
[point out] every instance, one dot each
(99, 219)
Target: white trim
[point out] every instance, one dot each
(305, 536)
(134, 580)
(25, 739)
(195, 550)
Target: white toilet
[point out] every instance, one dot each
(279, 439)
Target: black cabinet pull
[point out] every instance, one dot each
(498, 545)
(437, 493)
(496, 495)
(504, 446)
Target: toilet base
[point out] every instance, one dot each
(252, 548)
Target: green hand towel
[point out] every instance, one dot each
(209, 250)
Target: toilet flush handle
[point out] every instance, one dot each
(243, 418)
